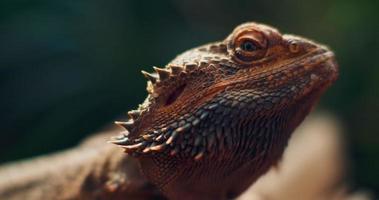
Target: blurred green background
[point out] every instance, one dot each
(70, 67)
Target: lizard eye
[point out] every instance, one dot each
(248, 46)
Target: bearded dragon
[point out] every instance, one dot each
(216, 118)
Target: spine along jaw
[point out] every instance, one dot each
(175, 137)
(158, 140)
(163, 78)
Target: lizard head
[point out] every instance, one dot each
(256, 71)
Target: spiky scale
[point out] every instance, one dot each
(171, 139)
(147, 136)
(133, 146)
(134, 114)
(203, 63)
(190, 66)
(146, 150)
(120, 123)
(196, 122)
(176, 69)
(120, 141)
(138, 140)
(151, 77)
(163, 73)
(204, 115)
(199, 156)
(158, 148)
(119, 137)
(128, 125)
(159, 138)
(167, 134)
(213, 106)
(183, 128)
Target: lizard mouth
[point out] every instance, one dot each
(317, 71)
(320, 66)
(320, 58)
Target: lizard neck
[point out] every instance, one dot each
(246, 145)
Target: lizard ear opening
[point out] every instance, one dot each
(175, 94)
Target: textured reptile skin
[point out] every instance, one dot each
(218, 116)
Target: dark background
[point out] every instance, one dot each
(70, 67)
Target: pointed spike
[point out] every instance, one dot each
(203, 63)
(184, 128)
(134, 114)
(190, 66)
(125, 133)
(180, 129)
(196, 122)
(133, 146)
(167, 135)
(172, 138)
(159, 138)
(123, 141)
(147, 136)
(213, 106)
(119, 137)
(127, 125)
(158, 147)
(120, 123)
(199, 155)
(176, 69)
(151, 77)
(150, 89)
(146, 150)
(163, 73)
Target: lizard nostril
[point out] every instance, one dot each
(174, 95)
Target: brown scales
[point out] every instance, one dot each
(218, 116)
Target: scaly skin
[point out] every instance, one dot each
(218, 116)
